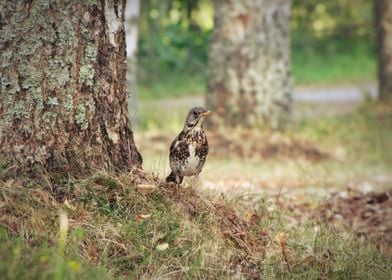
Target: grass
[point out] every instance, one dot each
(113, 231)
(364, 134)
(172, 84)
(111, 226)
(348, 62)
(152, 116)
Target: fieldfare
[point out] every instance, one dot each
(189, 150)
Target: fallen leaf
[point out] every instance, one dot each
(145, 216)
(162, 246)
(66, 203)
(146, 188)
(140, 218)
(281, 238)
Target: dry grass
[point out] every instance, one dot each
(369, 216)
(117, 229)
(123, 227)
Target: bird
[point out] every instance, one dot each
(189, 150)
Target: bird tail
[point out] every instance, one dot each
(173, 178)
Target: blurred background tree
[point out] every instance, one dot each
(332, 42)
(131, 24)
(383, 16)
(249, 80)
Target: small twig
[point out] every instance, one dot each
(122, 246)
(282, 242)
(276, 201)
(164, 276)
(285, 258)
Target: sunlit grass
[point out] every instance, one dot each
(353, 63)
(365, 135)
(172, 84)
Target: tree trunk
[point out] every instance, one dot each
(383, 19)
(131, 30)
(249, 81)
(63, 101)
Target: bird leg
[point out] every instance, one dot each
(179, 179)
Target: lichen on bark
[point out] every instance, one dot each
(63, 86)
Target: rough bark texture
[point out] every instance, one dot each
(249, 81)
(63, 101)
(131, 29)
(383, 18)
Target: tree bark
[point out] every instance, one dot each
(249, 80)
(63, 101)
(383, 17)
(132, 29)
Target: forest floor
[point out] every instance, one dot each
(334, 163)
(313, 202)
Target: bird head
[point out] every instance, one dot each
(196, 117)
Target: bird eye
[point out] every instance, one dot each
(195, 113)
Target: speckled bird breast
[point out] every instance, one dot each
(188, 152)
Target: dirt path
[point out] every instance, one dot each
(317, 94)
(309, 101)
(344, 93)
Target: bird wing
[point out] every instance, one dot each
(176, 142)
(173, 145)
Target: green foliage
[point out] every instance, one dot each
(170, 41)
(174, 48)
(153, 119)
(334, 20)
(21, 260)
(332, 42)
(173, 84)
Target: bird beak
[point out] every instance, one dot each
(205, 113)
